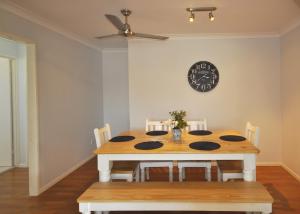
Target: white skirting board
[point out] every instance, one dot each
(66, 173)
(21, 165)
(268, 164)
(291, 172)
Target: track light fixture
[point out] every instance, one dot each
(201, 9)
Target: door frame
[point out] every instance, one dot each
(32, 112)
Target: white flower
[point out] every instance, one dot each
(173, 124)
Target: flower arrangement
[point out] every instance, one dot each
(177, 119)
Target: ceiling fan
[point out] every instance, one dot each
(124, 28)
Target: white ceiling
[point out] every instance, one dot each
(166, 17)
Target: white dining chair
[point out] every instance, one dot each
(233, 169)
(191, 126)
(120, 170)
(152, 125)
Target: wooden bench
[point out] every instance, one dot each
(177, 196)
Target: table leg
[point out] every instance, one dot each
(103, 168)
(250, 167)
(84, 208)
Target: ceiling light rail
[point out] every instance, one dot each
(192, 11)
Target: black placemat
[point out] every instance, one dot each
(233, 138)
(204, 145)
(122, 138)
(148, 145)
(156, 133)
(200, 132)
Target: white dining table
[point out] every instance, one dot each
(171, 150)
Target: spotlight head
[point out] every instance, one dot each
(211, 16)
(192, 17)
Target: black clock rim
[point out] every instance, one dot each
(217, 81)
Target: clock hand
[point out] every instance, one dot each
(205, 75)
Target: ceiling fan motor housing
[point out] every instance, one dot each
(124, 28)
(126, 12)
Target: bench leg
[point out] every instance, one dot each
(171, 174)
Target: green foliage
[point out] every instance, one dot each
(178, 121)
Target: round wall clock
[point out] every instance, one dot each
(203, 76)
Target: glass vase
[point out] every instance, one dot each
(176, 135)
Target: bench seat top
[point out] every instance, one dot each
(214, 192)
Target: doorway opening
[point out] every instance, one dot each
(18, 111)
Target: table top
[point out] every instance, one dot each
(171, 147)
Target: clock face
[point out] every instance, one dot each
(203, 76)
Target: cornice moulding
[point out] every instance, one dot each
(114, 50)
(290, 28)
(28, 15)
(224, 35)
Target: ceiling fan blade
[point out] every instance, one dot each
(108, 36)
(149, 36)
(115, 21)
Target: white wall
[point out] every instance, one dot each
(115, 89)
(248, 89)
(17, 52)
(69, 95)
(5, 114)
(290, 99)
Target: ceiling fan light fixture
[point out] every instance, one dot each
(211, 16)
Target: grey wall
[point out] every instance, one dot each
(69, 95)
(290, 99)
(248, 90)
(115, 89)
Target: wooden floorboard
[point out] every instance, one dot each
(61, 198)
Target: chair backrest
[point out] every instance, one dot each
(252, 133)
(152, 125)
(196, 125)
(102, 135)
